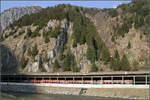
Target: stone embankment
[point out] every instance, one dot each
(132, 93)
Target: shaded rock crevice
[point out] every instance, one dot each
(8, 60)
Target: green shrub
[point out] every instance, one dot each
(94, 68)
(33, 52)
(61, 56)
(113, 12)
(43, 69)
(21, 32)
(46, 39)
(35, 34)
(29, 33)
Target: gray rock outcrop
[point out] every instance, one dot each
(13, 14)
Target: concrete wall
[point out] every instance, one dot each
(123, 91)
(80, 85)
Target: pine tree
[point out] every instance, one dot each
(29, 52)
(105, 55)
(115, 64)
(135, 65)
(94, 68)
(61, 56)
(75, 68)
(91, 54)
(56, 65)
(129, 45)
(67, 61)
(34, 50)
(117, 56)
(125, 65)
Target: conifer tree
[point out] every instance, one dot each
(94, 68)
(125, 65)
(56, 65)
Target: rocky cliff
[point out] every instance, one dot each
(13, 14)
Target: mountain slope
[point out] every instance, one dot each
(81, 39)
(13, 14)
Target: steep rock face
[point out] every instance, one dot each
(58, 45)
(83, 63)
(8, 60)
(13, 14)
(47, 52)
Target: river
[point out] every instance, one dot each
(30, 96)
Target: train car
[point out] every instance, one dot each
(128, 81)
(80, 81)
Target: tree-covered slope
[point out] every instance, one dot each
(72, 38)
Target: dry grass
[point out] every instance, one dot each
(121, 92)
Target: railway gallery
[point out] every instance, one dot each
(92, 78)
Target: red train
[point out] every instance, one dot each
(80, 81)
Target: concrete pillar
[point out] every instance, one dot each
(73, 79)
(65, 79)
(123, 78)
(134, 80)
(146, 79)
(112, 79)
(82, 79)
(91, 80)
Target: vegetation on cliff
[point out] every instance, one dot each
(84, 31)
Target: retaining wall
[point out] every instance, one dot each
(123, 91)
